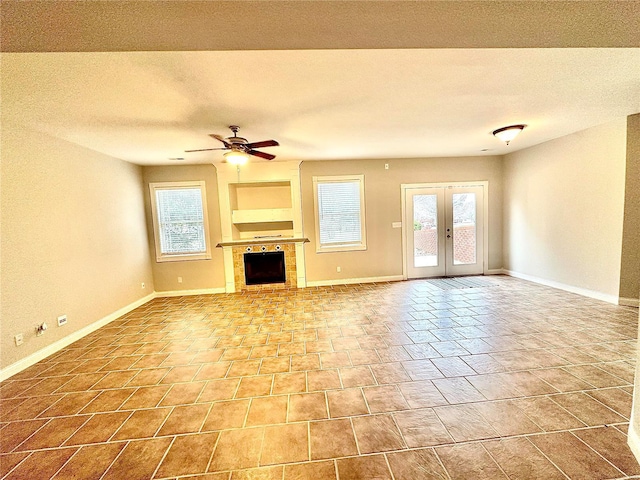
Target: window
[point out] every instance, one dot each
(339, 213)
(180, 224)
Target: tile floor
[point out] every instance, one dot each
(408, 380)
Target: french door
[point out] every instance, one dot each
(443, 230)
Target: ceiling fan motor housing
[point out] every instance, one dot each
(236, 140)
(240, 144)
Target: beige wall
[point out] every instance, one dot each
(383, 256)
(196, 274)
(73, 238)
(563, 209)
(634, 426)
(630, 263)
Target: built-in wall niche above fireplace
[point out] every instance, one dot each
(261, 209)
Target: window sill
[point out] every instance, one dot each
(183, 258)
(341, 248)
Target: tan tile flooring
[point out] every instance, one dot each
(388, 381)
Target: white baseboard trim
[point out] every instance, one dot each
(563, 286)
(632, 438)
(351, 281)
(58, 345)
(184, 293)
(629, 302)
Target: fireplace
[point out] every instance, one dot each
(264, 267)
(243, 252)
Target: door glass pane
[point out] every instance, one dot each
(464, 228)
(425, 230)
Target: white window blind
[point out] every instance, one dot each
(340, 213)
(180, 221)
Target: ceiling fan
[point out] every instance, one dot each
(239, 147)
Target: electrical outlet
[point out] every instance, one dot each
(338, 269)
(40, 329)
(142, 284)
(19, 339)
(386, 166)
(62, 320)
(179, 279)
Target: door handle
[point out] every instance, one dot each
(448, 236)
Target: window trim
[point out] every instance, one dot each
(179, 257)
(340, 247)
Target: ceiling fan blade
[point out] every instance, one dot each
(264, 143)
(205, 149)
(220, 138)
(266, 156)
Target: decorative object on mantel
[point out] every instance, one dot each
(239, 147)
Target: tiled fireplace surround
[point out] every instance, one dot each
(289, 263)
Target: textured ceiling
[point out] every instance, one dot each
(323, 92)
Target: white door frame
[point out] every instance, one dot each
(485, 217)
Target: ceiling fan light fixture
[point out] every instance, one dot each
(236, 157)
(506, 134)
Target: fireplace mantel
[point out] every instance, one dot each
(262, 241)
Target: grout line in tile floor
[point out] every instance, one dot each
(541, 453)
(484, 448)
(595, 451)
(120, 453)
(163, 456)
(211, 455)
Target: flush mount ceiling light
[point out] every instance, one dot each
(506, 134)
(236, 157)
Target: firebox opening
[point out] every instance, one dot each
(264, 267)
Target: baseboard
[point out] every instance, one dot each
(183, 293)
(563, 286)
(351, 281)
(629, 302)
(632, 438)
(58, 345)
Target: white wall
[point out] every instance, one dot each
(563, 210)
(73, 239)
